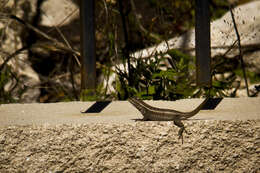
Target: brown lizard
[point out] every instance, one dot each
(158, 114)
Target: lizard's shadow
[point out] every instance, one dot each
(140, 119)
(192, 119)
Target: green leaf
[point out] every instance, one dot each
(151, 90)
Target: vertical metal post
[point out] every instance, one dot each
(126, 48)
(202, 37)
(88, 54)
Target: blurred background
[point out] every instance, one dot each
(35, 69)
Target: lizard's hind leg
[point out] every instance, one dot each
(182, 129)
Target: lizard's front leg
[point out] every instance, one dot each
(182, 129)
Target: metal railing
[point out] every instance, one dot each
(88, 42)
(88, 60)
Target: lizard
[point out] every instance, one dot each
(159, 114)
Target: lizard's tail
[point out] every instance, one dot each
(195, 111)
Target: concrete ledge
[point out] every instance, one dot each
(58, 138)
(121, 111)
(212, 146)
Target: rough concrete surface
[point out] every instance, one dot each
(215, 144)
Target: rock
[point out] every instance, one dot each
(20, 65)
(67, 11)
(67, 148)
(223, 35)
(53, 13)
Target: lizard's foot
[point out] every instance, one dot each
(180, 134)
(188, 133)
(182, 129)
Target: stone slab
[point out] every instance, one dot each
(121, 111)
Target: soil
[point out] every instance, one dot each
(211, 146)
